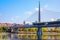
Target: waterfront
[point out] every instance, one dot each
(31, 34)
(11, 36)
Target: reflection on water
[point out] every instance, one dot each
(9, 36)
(51, 37)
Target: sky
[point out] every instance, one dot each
(17, 11)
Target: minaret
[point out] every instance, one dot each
(39, 13)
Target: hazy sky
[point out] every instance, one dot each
(16, 11)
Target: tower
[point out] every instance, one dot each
(39, 13)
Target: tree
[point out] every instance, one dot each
(58, 19)
(4, 28)
(45, 29)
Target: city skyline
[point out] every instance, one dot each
(17, 11)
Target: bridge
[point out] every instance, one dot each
(39, 25)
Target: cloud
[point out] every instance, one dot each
(52, 19)
(41, 9)
(27, 22)
(15, 18)
(28, 12)
(37, 9)
(46, 6)
(31, 12)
